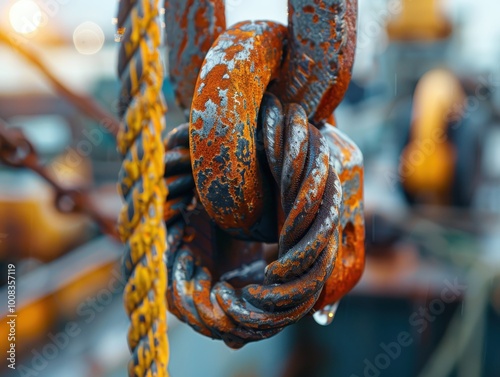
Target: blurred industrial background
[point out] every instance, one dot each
(424, 107)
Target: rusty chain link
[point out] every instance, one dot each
(248, 150)
(190, 41)
(242, 151)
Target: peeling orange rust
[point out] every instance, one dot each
(317, 174)
(223, 125)
(351, 257)
(309, 242)
(322, 43)
(192, 26)
(183, 288)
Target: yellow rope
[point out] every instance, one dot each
(142, 186)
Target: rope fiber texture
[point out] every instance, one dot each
(142, 185)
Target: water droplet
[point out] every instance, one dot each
(119, 34)
(162, 10)
(325, 316)
(114, 20)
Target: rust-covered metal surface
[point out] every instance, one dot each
(289, 286)
(258, 163)
(322, 43)
(348, 163)
(192, 27)
(223, 125)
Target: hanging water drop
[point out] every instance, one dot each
(119, 34)
(325, 316)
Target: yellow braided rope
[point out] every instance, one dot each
(142, 186)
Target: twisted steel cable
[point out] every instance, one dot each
(246, 149)
(142, 186)
(299, 159)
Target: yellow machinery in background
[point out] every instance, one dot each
(419, 20)
(433, 165)
(428, 161)
(34, 228)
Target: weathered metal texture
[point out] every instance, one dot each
(300, 162)
(198, 250)
(347, 161)
(246, 149)
(322, 43)
(192, 27)
(179, 180)
(223, 124)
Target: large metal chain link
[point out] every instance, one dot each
(242, 150)
(248, 149)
